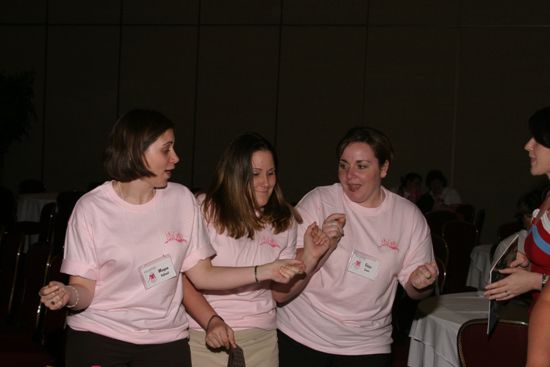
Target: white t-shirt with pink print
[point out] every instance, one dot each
(251, 306)
(346, 307)
(135, 253)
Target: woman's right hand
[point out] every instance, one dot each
(54, 295)
(521, 260)
(220, 335)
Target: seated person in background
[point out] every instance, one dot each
(411, 186)
(525, 207)
(439, 196)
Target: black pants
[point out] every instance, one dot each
(85, 349)
(294, 354)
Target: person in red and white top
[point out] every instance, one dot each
(127, 243)
(248, 222)
(342, 317)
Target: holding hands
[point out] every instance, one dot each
(280, 271)
(320, 243)
(424, 276)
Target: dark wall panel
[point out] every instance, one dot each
(321, 96)
(81, 98)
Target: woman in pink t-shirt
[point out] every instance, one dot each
(343, 315)
(127, 243)
(249, 222)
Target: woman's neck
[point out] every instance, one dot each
(134, 192)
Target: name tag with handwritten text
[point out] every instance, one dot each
(157, 271)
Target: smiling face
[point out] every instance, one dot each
(161, 159)
(361, 175)
(539, 156)
(263, 176)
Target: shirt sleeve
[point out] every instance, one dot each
(420, 250)
(199, 244)
(80, 251)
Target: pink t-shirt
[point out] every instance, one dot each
(250, 306)
(346, 309)
(108, 240)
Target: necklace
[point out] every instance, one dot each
(132, 199)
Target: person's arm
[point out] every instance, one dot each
(318, 245)
(205, 276)
(421, 280)
(77, 295)
(218, 333)
(538, 341)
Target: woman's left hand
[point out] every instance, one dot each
(280, 271)
(424, 276)
(517, 282)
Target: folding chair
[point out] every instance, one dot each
(505, 346)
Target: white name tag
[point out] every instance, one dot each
(157, 271)
(363, 265)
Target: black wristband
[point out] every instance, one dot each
(210, 320)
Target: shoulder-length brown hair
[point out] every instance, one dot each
(131, 135)
(229, 203)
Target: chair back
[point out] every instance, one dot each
(47, 223)
(11, 262)
(479, 221)
(506, 346)
(66, 201)
(466, 212)
(51, 324)
(441, 249)
(461, 237)
(442, 276)
(437, 218)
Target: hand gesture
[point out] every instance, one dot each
(219, 334)
(316, 242)
(333, 227)
(54, 295)
(424, 276)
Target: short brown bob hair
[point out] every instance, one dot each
(377, 140)
(132, 134)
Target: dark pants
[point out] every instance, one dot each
(294, 354)
(85, 349)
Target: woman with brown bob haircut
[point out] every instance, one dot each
(127, 243)
(249, 222)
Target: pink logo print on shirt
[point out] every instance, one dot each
(152, 277)
(270, 242)
(174, 236)
(389, 243)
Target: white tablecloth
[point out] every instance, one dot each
(29, 206)
(480, 266)
(433, 336)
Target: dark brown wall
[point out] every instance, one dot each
(451, 82)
